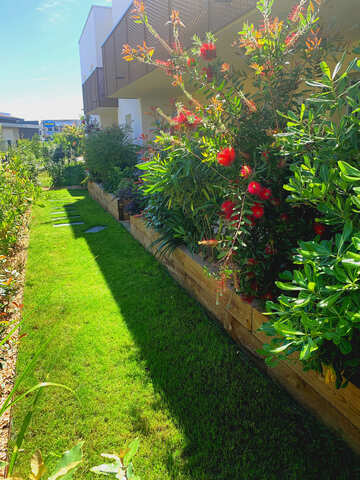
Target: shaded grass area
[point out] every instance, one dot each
(146, 361)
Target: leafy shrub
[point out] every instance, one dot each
(215, 161)
(107, 152)
(63, 174)
(17, 191)
(319, 314)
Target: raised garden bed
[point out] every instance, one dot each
(108, 201)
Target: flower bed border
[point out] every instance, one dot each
(108, 201)
(339, 409)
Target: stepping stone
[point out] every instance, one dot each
(62, 212)
(65, 218)
(96, 229)
(68, 224)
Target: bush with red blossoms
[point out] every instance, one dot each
(233, 136)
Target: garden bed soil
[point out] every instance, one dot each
(9, 350)
(340, 409)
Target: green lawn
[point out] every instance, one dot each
(146, 361)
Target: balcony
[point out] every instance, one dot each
(199, 16)
(94, 93)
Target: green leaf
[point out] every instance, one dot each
(288, 286)
(281, 348)
(68, 463)
(133, 448)
(349, 172)
(325, 69)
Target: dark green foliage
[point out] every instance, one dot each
(66, 174)
(319, 314)
(107, 153)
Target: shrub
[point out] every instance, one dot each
(63, 175)
(216, 160)
(107, 152)
(17, 191)
(318, 315)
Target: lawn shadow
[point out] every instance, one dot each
(238, 423)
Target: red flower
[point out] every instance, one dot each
(254, 188)
(265, 154)
(251, 261)
(246, 171)
(268, 296)
(269, 250)
(190, 62)
(257, 210)
(265, 193)
(228, 205)
(295, 12)
(284, 217)
(247, 298)
(208, 51)
(186, 119)
(319, 228)
(226, 157)
(228, 208)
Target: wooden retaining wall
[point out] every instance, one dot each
(108, 201)
(340, 409)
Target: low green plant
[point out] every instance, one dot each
(65, 468)
(122, 467)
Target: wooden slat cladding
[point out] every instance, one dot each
(195, 16)
(199, 16)
(121, 67)
(110, 59)
(221, 13)
(136, 36)
(94, 92)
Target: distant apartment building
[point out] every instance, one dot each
(13, 129)
(49, 127)
(118, 92)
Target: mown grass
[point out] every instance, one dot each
(146, 361)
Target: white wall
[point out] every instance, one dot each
(119, 7)
(129, 114)
(11, 134)
(97, 28)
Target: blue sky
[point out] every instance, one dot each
(40, 74)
